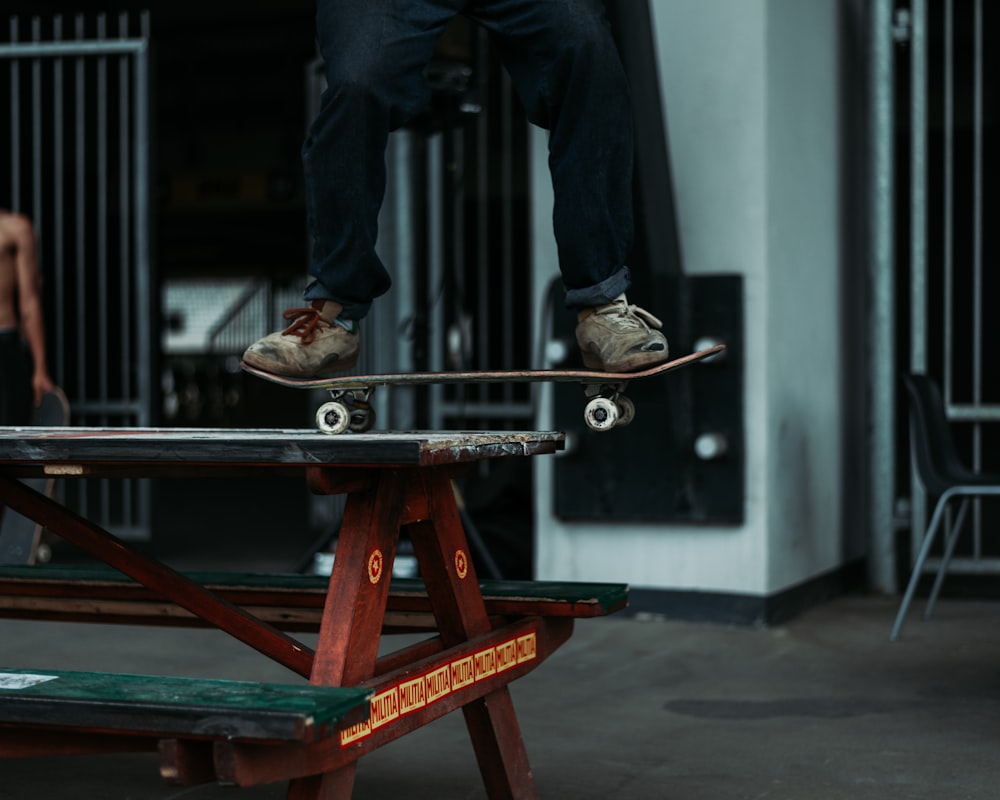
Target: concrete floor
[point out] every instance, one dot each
(822, 707)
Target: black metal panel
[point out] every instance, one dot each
(649, 470)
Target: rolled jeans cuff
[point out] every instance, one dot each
(351, 311)
(600, 294)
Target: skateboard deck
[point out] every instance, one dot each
(607, 404)
(19, 536)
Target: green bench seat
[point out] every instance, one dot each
(290, 601)
(182, 708)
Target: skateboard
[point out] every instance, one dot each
(349, 408)
(20, 537)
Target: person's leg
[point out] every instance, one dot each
(374, 53)
(567, 71)
(15, 380)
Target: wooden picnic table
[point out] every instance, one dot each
(392, 482)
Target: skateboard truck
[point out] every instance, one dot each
(350, 410)
(607, 406)
(347, 410)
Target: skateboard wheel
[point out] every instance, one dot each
(333, 417)
(601, 414)
(362, 419)
(626, 411)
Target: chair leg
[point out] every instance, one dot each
(950, 541)
(919, 565)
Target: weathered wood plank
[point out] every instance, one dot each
(295, 601)
(19, 741)
(405, 700)
(167, 706)
(75, 452)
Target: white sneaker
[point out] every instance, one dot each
(310, 347)
(618, 337)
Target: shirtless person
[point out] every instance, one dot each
(23, 373)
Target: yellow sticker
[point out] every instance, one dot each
(375, 562)
(461, 563)
(424, 690)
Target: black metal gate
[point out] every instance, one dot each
(77, 91)
(947, 198)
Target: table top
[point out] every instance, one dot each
(55, 447)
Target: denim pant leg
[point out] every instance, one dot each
(15, 380)
(374, 52)
(568, 74)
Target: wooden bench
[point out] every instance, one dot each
(96, 712)
(396, 483)
(167, 707)
(290, 601)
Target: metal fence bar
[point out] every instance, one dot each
(918, 186)
(881, 178)
(124, 207)
(143, 254)
(918, 229)
(36, 141)
(436, 268)
(80, 210)
(461, 265)
(948, 263)
(15, 125)
(948, 124)
(483, 245)
(76, 49)
(968, 412)
(966, 565)
(507, 229)
(977, 213)
(59, 200)
(102, 214)
(977, 267)
(100, 225)
(141, 184)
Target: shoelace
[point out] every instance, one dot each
(631, 313)
(305, 323)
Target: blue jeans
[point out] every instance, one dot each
(566, 70)
(15, 380)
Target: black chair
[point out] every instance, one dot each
(944, 476)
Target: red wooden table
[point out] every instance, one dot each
(392, 482)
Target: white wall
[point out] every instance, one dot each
(750, 90)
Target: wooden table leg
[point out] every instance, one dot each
(446, 566)
(355, 606)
